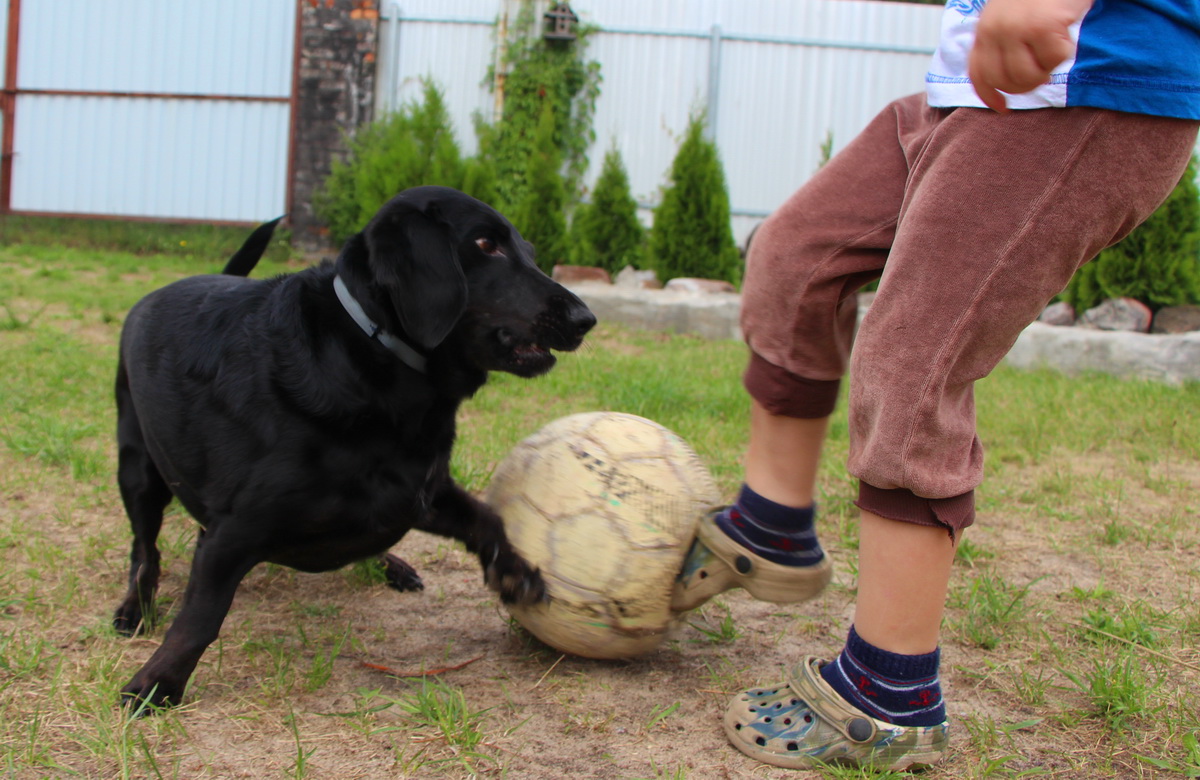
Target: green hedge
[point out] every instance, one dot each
(691, 235)
(407, 148)
(1158, 263)
(606, 232)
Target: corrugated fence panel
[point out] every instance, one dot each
(213, 160)
(651, 83)
(787, 75)
(171, 156)
(456, 54)
(228, 47)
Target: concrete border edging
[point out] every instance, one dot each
(1171, 359)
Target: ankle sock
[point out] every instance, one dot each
(781, 534)
(900, 689)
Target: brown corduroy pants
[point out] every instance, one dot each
(972, 221)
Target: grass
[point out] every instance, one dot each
(1071, 631)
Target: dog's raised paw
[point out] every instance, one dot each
(515, 580)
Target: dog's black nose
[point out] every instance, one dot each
(582, 320)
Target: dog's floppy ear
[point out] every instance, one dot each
(413, 257)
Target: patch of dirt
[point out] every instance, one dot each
(312, 672)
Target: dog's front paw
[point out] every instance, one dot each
(143, 696)
(514, 578)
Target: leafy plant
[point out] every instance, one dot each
(691, 235)
(442, 711)
(1118, 689)
(722, 633)
(991, 605)
(1189, 766)
(536, 74)
(407, 148)
(606, 232)
(1129, 626)
(970, 553)
(1158, 263)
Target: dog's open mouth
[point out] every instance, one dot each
(530, 353)
(531, 360)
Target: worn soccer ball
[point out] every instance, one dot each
(606, 505)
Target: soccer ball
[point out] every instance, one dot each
(606, 505)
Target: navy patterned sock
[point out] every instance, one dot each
(899, 689)
(781, 534)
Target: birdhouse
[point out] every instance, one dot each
(560, 23)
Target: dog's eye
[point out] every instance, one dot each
(488, 246)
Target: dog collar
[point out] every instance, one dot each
(409, 356)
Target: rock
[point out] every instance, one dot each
(1118, 314)
(1061, 313)
(1173, 359)
(705, 286)
(639, 280)
(1177, 319)
(707, 316)
(574, 274)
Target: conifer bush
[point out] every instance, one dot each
(1158, 263)
(407, 148)
(540, 213)
(691, 234)
(606, 232)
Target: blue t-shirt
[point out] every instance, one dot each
(1141, 56)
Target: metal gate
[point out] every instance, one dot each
(149, 109)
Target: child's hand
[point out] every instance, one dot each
(1018, 43)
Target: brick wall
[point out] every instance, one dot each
(336, 92)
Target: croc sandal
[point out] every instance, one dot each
(717, 563)
(802, 723)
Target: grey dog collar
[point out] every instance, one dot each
(406, 353)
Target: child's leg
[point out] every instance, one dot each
(999, 212)
(799, 306)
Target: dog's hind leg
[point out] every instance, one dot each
(145, 495)
(222, 559)
(459, 515)
(400, 574)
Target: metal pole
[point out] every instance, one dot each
(393, 80)
(714, 83)
(10, 105)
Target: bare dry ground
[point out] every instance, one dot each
(313, 673)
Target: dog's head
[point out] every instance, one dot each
(455, 271)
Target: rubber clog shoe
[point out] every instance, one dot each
(802, 723)
(717, 563)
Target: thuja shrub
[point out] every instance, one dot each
(406, 148)
(605, 232)
(691, 234)
(540, 212)
(1158, 263)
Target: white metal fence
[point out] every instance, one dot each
(775, 76)
(145, 108)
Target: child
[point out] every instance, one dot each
(973, 215)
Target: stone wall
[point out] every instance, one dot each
(336, 92)
(1170, 358)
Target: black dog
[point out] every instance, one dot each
(307, 420)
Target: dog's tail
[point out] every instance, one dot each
(244, 260)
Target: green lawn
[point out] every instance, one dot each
(1071, 637)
